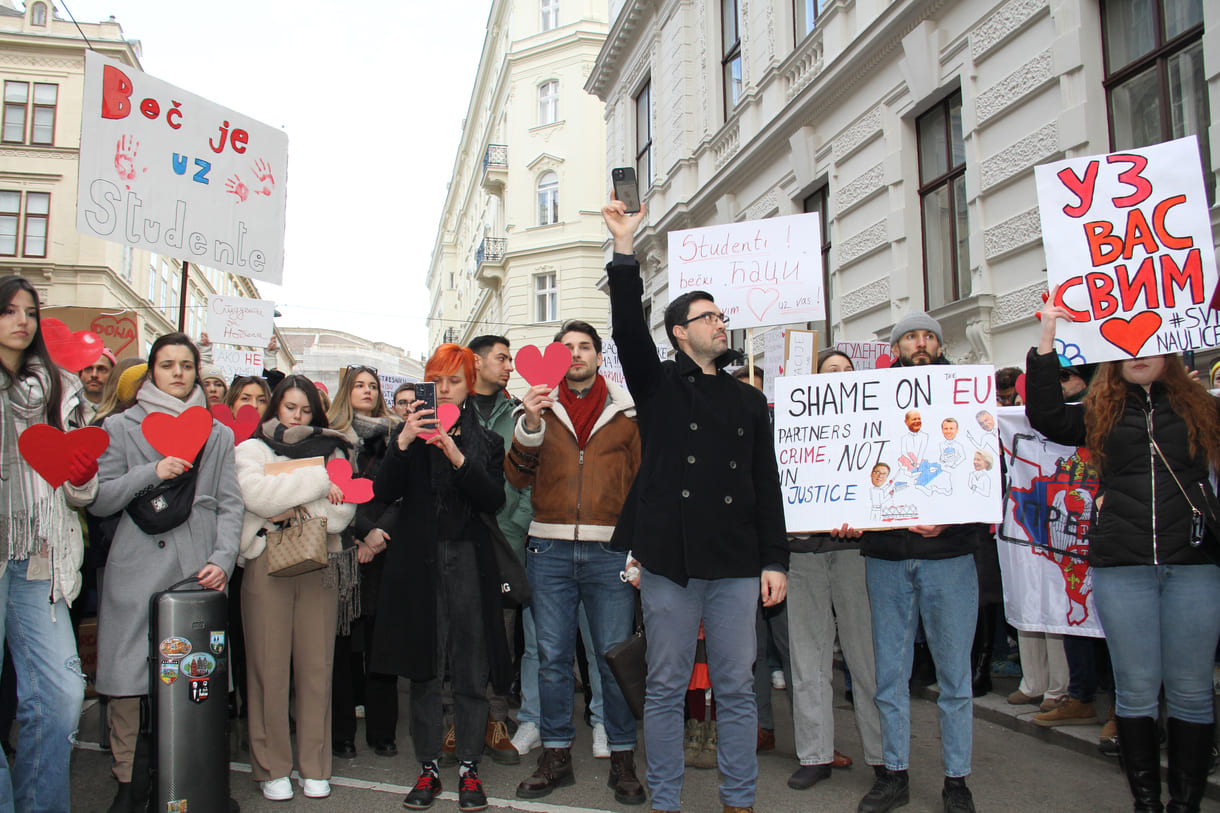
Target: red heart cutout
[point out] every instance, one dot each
(178, 435)
(1020, 386)
(1130, 335)
(538, 368)
(884, 360)
(49, 451)
(355, 489)
(448, 415)
(72, 351)
(243, 425)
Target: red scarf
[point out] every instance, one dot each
(584, 412)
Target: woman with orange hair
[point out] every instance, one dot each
(444, 615)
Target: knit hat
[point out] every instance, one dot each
(130, 380)
(917, 320)
(207, 371)
(106, 354)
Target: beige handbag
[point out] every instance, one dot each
(299, 547)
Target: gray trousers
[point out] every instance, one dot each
(818, 582)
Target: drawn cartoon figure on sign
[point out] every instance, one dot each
(912, 445)
(881, 493)
(952, 452)
(987, 437)
(980, 482)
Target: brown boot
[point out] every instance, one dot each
(554, 771)
(623, 781)
(499, 744)
(731, 809)
(706, 758)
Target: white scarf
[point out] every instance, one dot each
(155, 400)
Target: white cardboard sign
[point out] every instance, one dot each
(234, 362)
(867, 355)
(236, 320)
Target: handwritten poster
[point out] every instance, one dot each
(612, 367)
(233, 361)
(760, 272)
(119, 329)
(164, 170)
(867, 355)
(888, 448)
(389, 383)
(236, 320)
(1044, 538)
(1129, 248)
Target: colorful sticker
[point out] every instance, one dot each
(176, 806)
(169, 672)
(199, 665)
(199, 690)
(175, 648)
(217, 643)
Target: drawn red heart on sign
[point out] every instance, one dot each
(884, 361)
(1020, 386)
(243, 425)
(761, 300)
(355, 489)
(178, 435)
(448, 415)
(1130, 335)
(72, 351)
(547, 368)
(119, 329)
(50, 452)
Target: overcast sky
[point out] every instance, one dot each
(372, 96)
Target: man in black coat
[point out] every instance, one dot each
(704, 518)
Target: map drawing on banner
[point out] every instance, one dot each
(164, 170)
(234, 362)
(867, 355)
(237, 320)
(1044, 538)
(760, 272)
(1129, 252)
(888, 448)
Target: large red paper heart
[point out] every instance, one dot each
(243, 425)
(72, 351)
(448, 415)
(884, 361)
(1020, 386)
(543, 368)
(1130, 335)
(178, 435)
(355, 489)
(50, 451)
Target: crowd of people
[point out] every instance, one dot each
(567, 514)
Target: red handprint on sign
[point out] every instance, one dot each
(125, 158)
(262, 172)
(236, 187)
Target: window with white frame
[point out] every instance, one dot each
(37, 111)
(548, 198)
(38, 14)
(819, 202)
(546, 298)
(730, 61)
(643, 137)
(23, 228)
(942, 197)
(548, 102)
(550, 14)
(805, 14)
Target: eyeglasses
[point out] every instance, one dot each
(354, 369)
(709, 317)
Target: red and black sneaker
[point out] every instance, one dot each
(470, 792)
(427, 788)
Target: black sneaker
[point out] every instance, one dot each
(470, 792)
(891, 789)
(427, 788)
(956, 796)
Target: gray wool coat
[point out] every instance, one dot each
(141, 565)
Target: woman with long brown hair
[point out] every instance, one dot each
(1153, 434)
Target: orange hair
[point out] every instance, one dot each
(448, 359)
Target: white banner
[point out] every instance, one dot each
(888, 448)
(760, 272)
(867, 355)
(389, 383)
(1044, 539)
(1129, 247)
(234, 362)
(236, 320)
(164, 170)
(612, 368)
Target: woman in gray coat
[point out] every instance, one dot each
(204, 545)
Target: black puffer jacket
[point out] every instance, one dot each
(1144, 518)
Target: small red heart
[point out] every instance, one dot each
(178, 435)
(538, 368)
(1130, 335)
(49, 451)
(884, 361)
(72, 351)
(1020, 386)
(448, 415)
(243, 425)
(355, 489)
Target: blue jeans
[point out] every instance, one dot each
(596, 705)
(1162, 623)
(944, 592)
(528, 713)
(50, 690)
(671, 617)
(563, 575)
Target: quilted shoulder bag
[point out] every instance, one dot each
(299, 546)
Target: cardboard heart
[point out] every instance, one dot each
(547, 368)
(355, 489)
(243, 425)
(178, 435)
(120, 329)
(50, 451)
(1130, 335)
(449, 414)
(1020, 386)
(884, 361)
(72, 351)
(761, 300)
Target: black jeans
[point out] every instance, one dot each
(380, 695)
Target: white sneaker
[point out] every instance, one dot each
(315, 788)
(777, 680)
(277, 790)
(527, 738)
(601, 748)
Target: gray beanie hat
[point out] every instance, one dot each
(917, 320)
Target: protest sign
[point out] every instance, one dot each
(612, 368)
(234, 362)
(167, 171)
(236, 320)
(119, 329)
(888, 448)
(1044, 538)
(1129, 252)
(389, 383)
(867, 355)
(760, 272)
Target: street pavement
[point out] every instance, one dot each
(1017, 767)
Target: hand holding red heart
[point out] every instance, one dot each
(170, 467)
(535, 401)
(81, 467)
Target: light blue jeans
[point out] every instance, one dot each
(671, 619)
(944, 592)
(50, 690)
(1162, 623)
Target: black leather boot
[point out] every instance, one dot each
(122, 800)
(1190, 753)
(1140, 754)
(980, 655)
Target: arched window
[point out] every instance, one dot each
(548, 198)
(38, 14)
(548, 102)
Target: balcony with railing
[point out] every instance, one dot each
(495, 167)
(489, 261)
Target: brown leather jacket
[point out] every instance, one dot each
(577, 495)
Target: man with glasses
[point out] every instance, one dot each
(704, 518)
(403, 396)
